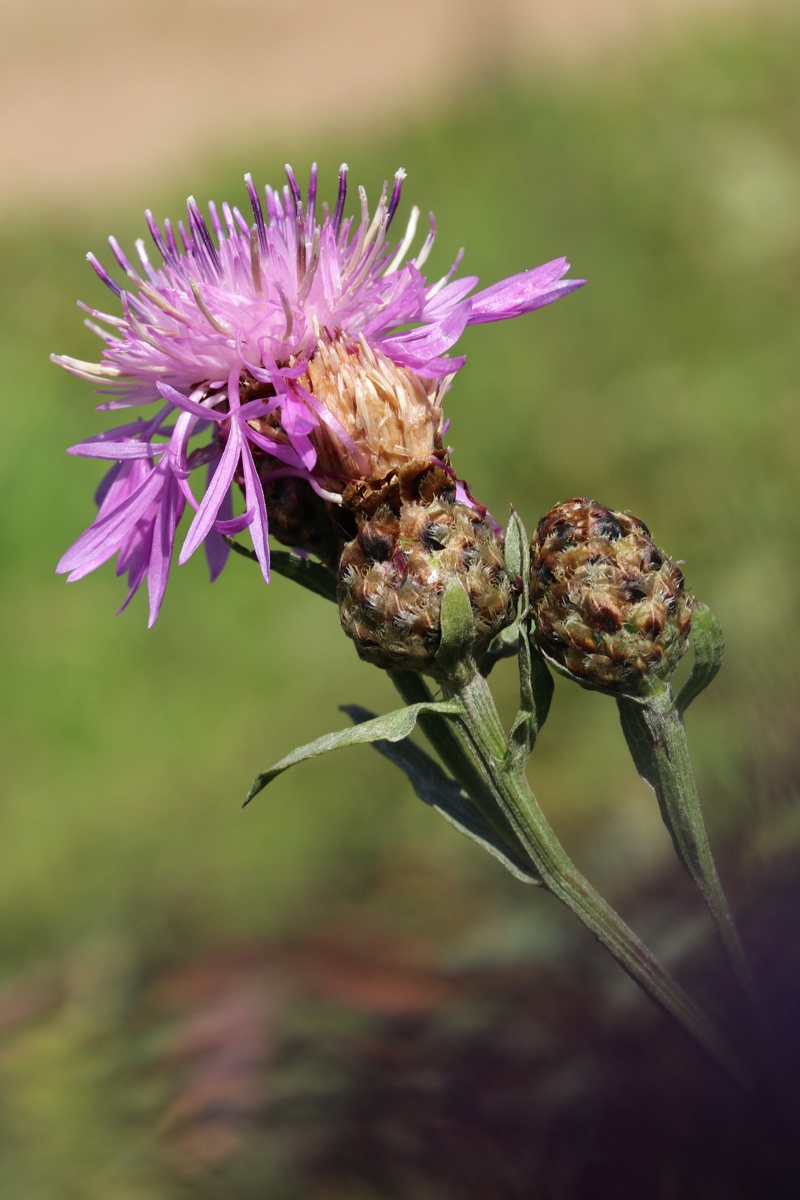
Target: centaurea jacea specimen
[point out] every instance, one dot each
(302, 363)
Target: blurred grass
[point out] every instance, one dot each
(668, 386)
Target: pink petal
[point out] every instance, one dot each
(169, 512)
(212, 501)
(104, 536)
(523, 293)
(254, 497)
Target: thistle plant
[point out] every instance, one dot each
(288, 369)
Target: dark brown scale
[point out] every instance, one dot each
(599, 555)
(651, 558)
(376, 544)
(254, 389)
(299, 518)
(603, 612)
(564, 533)
(434, 535)
(545, 573)
(631, 587)
(608, 527)
(653, 623)
(418, 481)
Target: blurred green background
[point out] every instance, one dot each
(668, 386)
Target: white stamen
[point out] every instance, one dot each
(204, 309)
(101, 333)
(145, 261)
(426, 245)
(368, 259)
(156, 298)
(86, 370)
(355, 257)
(380, 215)
(287, 311)
(101, 316)
(408, 238)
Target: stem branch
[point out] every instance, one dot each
(656, 737)
(485, 737)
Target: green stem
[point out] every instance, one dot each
(440, 733)
(485, 736)
(656, 738)
(442, 736)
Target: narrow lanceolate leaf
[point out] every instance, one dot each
(535, 682)
(457, 628)
(392, 727)
(543, 686)
(656, 738)
(441, 733)
(708, 643)
(305, 571)
(435, 788)
(505, 645)
(515, 547)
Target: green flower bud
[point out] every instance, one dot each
(609, 606)
(393, 574)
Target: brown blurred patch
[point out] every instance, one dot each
(97, 99)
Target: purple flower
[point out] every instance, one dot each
(281, 345)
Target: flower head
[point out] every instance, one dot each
(609, 605)
(284, 344)
(393, 575)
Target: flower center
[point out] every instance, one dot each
(376, 416)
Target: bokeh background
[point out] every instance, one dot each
(331, 994)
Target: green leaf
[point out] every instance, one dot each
(708, 644)
(442, 735)
(504, 645)
(656, 737)
(516, 547)
(305, 571)
(457, 628)
(392, 727)
(439, 791)
(535, 681)
(543, 686)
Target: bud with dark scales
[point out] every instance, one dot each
(393, 574)
(300, 519)
(609, 606)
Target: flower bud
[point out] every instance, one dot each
(393, 574)
(608, 605)
(300, 519)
